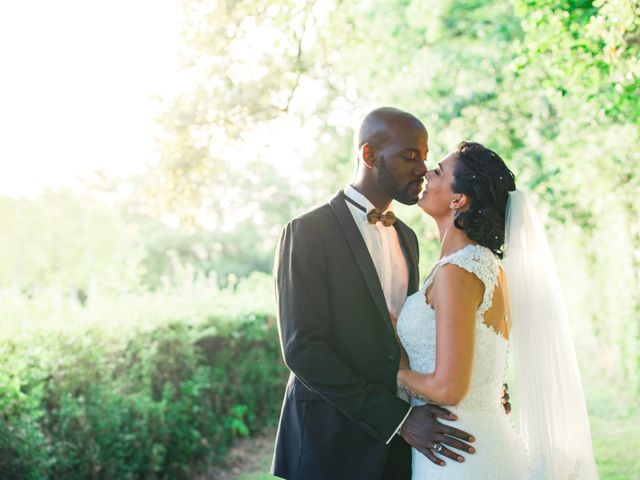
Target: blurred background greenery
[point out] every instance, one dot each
(137, 330)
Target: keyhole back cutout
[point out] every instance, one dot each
(497, 316)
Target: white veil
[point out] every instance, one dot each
(549, 412)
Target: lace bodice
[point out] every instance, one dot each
(417, 330)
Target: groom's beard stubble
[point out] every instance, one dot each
(390, 186)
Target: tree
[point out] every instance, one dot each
(551, 87)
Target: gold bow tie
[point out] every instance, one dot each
(375, 215)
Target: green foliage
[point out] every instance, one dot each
(64, 243)
(136, 400)
(122, 355)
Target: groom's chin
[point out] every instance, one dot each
(408, 199)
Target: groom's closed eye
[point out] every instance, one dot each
(411, 156)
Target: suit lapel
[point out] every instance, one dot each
(361, 254)
(412, 255)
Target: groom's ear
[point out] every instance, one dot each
(367, 155)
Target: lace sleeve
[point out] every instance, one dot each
(483, 264)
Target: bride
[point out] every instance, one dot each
(471, 311)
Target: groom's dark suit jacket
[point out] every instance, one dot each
(340, 405)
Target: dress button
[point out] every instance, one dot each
(391, 358)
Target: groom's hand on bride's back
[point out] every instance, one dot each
(424, 432)
(505, 398)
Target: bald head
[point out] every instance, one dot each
(391, 149)
(380, 126)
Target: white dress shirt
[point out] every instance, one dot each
(388, 258)
(385, 250)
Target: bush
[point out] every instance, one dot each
(162, 402)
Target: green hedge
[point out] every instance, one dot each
(164, 403)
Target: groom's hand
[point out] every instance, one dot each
(424, 432)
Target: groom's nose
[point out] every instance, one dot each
(421, 169)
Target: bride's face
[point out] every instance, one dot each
(437, 196)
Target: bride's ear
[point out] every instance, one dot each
(459, 201)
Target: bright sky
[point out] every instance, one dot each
(76, 81)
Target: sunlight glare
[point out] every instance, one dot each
(77, 85)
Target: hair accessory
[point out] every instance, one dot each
(480, 211)
(473, 177)
(500, 178)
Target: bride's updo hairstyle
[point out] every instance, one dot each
(484, 178)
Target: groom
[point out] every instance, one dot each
(342, 272)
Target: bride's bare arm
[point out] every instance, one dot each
(455, 296)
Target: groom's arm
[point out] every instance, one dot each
(304, 326)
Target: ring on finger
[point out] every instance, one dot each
(438, 448)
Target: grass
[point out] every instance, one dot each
(614, 417)
(259, 474)
(616, 442)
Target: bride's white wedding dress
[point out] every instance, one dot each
(500, 453)
(550, 437)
